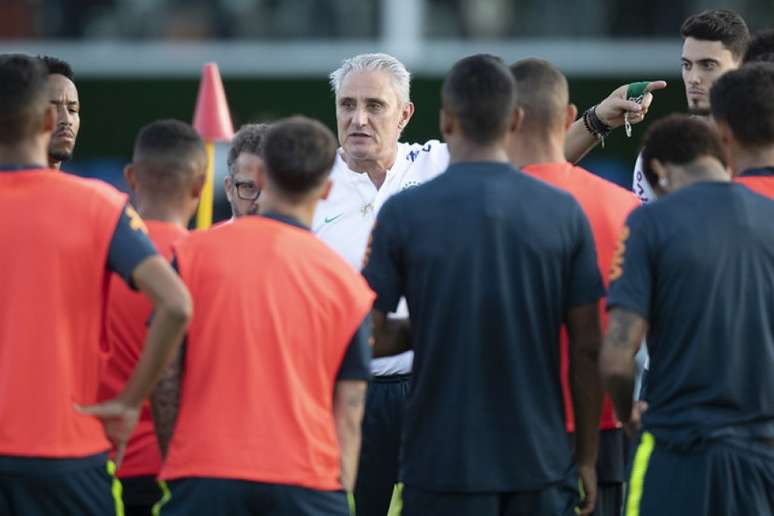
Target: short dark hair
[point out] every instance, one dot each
(299, 153)
(541, 90)
(165, 154)
(479, 91)
(58, 66)
(761, 47)
(743, 99)
(23, 97)
(719, 25)
(250, 138)
(680, 139)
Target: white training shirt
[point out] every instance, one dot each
(345, 219)
(640, 184)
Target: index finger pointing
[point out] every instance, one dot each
(655, 85)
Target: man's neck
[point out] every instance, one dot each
(527, 150)
(168, 214)
(25, 154)
(54, 164)
(463, 151)
(376, 169)
(753, 158)
(302, 212)
(703, 170)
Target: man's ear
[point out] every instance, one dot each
(260, 177)
(662, 184)
(570, 116)
(517, 120)
(49, 119)
(726, 135)
(730, 145)
(405, 116)
(228, 185)
(447, 123)
(198, 185)
(129, 176)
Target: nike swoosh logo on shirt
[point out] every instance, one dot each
(328, 220)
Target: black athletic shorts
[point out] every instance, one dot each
(229, 497)
(717, 478)
(59, 487)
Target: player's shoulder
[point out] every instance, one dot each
(759, 194)
(421, 161)
(87, 187)
(302, 246)
(599, 185)
(199, 238)
(164, 234)
(430, 150)
(541, 192)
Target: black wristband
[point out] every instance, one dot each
(594, 125)
(597, 126)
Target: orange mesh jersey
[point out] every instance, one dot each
(606, 206)
(275, 312)
(128, 313)
(56, 231)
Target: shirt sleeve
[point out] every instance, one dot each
(631, 275)
(129, 246)
(356, 364)
(586, 285)
(383, 267)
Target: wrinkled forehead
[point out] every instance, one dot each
(62, 88)
(361, 85)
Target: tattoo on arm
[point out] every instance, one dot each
(624, 333)
(625, 330)
(165, 402)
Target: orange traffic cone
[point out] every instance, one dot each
(212, 121)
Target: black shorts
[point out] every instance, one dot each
(140, 494)
(59, 487)
(560, 499)
(229, 497)
(719, 478)
(377, 473)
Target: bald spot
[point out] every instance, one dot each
(542, 92)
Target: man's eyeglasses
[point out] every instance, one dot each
(247, 190)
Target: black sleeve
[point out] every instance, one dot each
(631, 275)
(356, 364)
(129, 246)
(382, 266)
(586, 285)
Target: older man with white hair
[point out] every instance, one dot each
(373, 106)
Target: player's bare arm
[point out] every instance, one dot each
(173, 310)
(612, 112)
(165, 402)
(391, 336)
(616, 362)
(585, 340)
(348, 408)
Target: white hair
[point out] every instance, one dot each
(401, 77)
